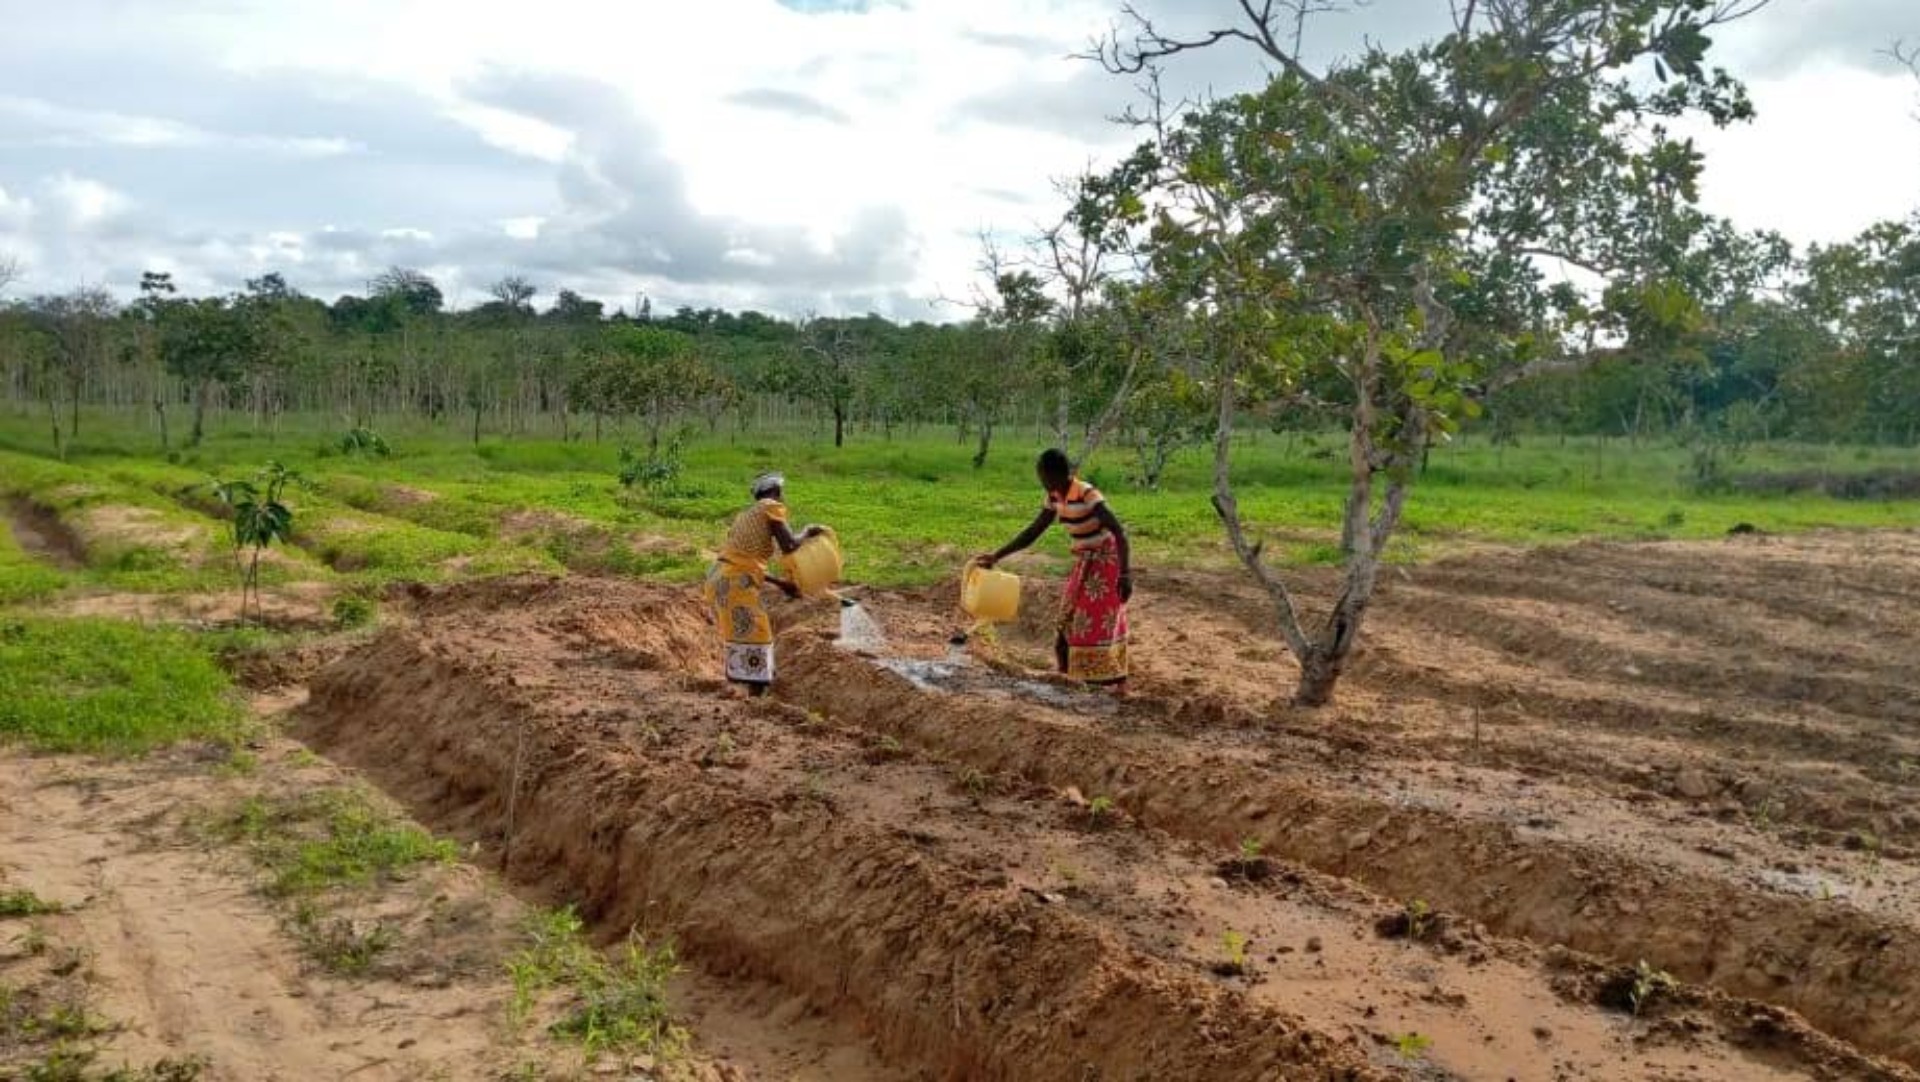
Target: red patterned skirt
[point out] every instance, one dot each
(1093, 618)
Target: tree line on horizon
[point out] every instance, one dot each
(1816, 345)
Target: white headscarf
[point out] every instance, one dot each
(767, 482)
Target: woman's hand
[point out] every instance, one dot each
(986, 559)
(1126, 586)
(792, 591)
(812, 531)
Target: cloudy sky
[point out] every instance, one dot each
(790, 155)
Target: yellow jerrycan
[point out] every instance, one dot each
(815, 565)
(990, 595)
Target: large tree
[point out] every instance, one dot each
(831, 359)
(649, 374)
(80, 327)
(1383, 227)
(208, 344)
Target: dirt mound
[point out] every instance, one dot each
(560, 721)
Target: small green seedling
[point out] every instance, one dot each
(33, 943)
(260, 518)
(722, 752)
(1649, 984)
(974, 782)
(1870, 844)
(1412, 1046)
(1099, 808)
(1233, 946)
(1419, 917)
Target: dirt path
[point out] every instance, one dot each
(186, 959)
(177, 951)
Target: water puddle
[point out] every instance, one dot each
(956, 673)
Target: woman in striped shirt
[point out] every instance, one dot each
(1091, 644)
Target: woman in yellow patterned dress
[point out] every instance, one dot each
(733, 583)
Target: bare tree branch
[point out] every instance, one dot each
(1547, 366)
(1275, 27)
(1906, 55)
(10, 271)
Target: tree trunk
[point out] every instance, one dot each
(73, 417)
(252, 584)
(1319, 674)
(986, 438)
(1063, 412)
(160, 408)
(476, 424)
(839, 426)
(199, 414)
(53, 419)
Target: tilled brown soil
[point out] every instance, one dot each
(998, 878)
(718, 821)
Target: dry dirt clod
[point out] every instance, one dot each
(1693, 784)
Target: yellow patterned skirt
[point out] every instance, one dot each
(746, 631)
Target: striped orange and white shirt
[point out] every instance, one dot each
(1076, 511)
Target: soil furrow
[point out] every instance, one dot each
(1776, 949)
(1541, 640)
(962, 976)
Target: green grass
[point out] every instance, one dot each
(618, 1004)
(341, 945)
(24, 577)
(910, 510)
(328, 839)
(68, 1062)
(25, 903)
(157, 545)
(105, 685)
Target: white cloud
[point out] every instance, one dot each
(85, 202)
(26, 121)
(513, 132)
(732, 152)
(524, 228)
(1836, 149)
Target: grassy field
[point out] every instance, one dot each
(129, 518)
(908, 510)
(109, 686)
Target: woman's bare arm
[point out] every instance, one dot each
(1027, 537)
